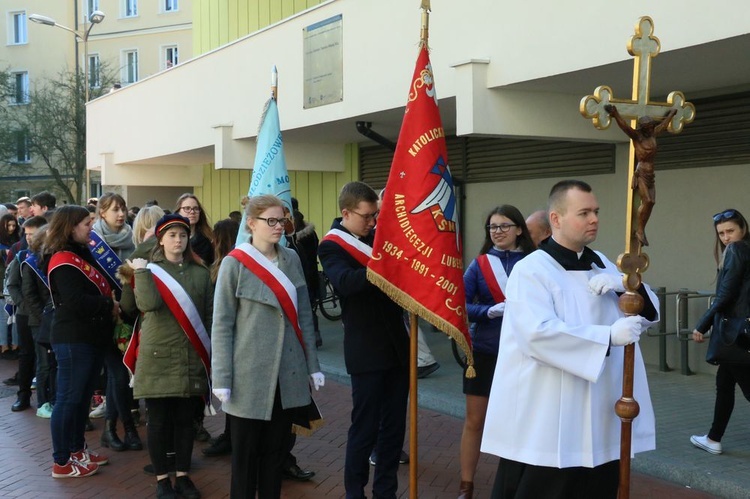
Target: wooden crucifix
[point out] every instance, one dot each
(648, 118)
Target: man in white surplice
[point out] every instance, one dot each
(551, 412)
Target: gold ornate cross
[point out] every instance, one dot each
(632, 263)
(644, 46)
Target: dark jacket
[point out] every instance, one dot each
(485, 332)
(375, 337)
(35, 295)
(305, 242)
(732, 287)
(82, 313)
(203, 247)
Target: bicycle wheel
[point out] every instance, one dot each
(329, 303)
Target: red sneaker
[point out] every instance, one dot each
(87, 457)
(73, 469)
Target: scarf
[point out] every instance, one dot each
(121, 242)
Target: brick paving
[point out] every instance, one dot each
(25, 459)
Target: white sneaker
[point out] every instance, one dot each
(45, 411)
(99, 411)
(702, 442)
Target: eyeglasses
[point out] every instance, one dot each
(271, 221)
(725, 215)
(500, 228)
(368, 217)
(191, 209)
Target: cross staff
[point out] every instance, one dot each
(674, 113)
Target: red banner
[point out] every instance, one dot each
(417, 254)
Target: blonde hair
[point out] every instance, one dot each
(145, 219)
(258, 204)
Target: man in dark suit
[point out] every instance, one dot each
(376, 347)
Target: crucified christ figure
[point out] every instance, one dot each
(644, 177)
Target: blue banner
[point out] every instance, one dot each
(269, 170)
(105, 256)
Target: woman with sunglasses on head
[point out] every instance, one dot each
(201, 235)
(732, 254)
(263, 347)
(506, 242)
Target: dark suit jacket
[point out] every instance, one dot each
(375, 336)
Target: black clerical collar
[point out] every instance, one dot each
(568, 259)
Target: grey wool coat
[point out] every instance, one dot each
(253, 344)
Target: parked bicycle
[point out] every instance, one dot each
(328, 301)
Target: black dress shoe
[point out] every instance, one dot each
(296, 473)
(221, 446)
(424, 371)
(21, 404)
(11, 381)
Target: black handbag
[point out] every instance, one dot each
(730, 341)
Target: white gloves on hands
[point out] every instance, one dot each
(603, 283)
(222, 394)
(627, 330)
(318, 380)
(496, 310)
(137, 263)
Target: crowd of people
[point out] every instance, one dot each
(157, 307)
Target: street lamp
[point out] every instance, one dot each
(95, 17)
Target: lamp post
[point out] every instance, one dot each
(95, 17)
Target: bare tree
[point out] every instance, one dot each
(54, 126)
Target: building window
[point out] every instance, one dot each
(23, 154)
(91, 6)
(171, 57)
(131, 8)
(94, 71)
(130, 67)
(20, 88)
(171, 5)
(17, 28)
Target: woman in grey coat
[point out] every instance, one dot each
(263, 348)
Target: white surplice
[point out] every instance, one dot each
(554, 390)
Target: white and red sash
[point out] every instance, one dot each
(275, 279)
(494, 275)
(184, 310)
(69, 258)
(356, 248)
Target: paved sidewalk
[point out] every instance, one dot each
(683, 406)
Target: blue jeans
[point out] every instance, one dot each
(78, 366)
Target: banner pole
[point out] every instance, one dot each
(413, 406)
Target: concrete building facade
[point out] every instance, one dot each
(509, 77)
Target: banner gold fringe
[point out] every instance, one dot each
(307, 432)
(411, 305)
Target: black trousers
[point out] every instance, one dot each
(26, 356)
(516, 480)
(728, 376)
(258, 451)
(170, 426)
(379, 403)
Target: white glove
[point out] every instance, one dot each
(603, 283)
(627, 330)
(318, 380)
(496, 310)
(222, 394)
